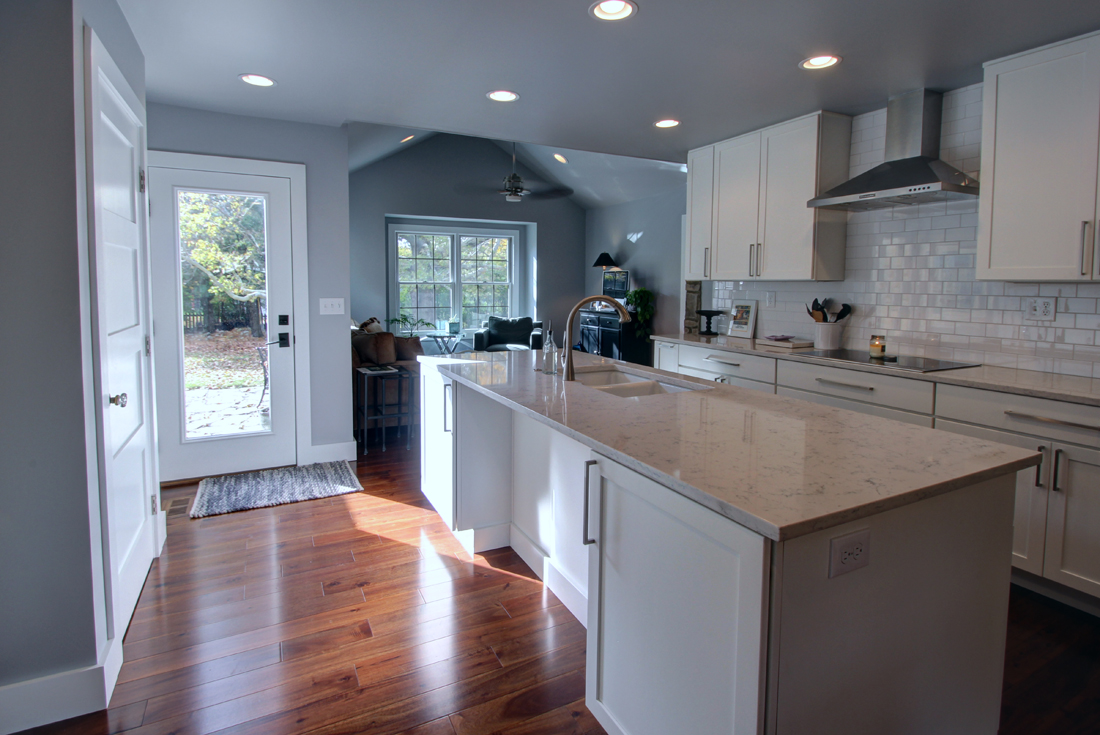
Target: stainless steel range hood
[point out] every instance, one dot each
(913, 173)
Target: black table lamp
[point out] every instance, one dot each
(605, 261)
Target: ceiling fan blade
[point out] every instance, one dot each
(475, 189)
(556, 192)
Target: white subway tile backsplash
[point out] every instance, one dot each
(910, 275)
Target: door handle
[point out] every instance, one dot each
(1057, 461)
(1039, 467)
(584, 531)
(283, 341)
(446, 402)
(751, 246)
(120, 400)
(826, 381)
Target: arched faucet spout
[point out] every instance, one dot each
(624, 316)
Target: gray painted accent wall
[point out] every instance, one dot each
(324, 151)
(653, 259)
(421, 181)
(51, 586)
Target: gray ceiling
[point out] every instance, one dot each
(721, 67)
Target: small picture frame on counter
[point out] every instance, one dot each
(742, 319)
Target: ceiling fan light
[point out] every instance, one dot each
(513, 198)
(613, 9)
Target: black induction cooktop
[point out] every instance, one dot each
(897, 362)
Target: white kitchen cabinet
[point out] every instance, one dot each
(437, 441)
(760, 227)
(483, 470)
(1073, 519)
(700, 197)
(877, 389)
(1029, 521)
(1038, 201)
(676, 612)
(667, 356)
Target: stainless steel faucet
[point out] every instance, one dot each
(624, 316)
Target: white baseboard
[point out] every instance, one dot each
(532, 555)
(327, 453)
(574, 599)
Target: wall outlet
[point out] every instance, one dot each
(848, 553)
(1039, 309)
(332, 306)
(769, 298)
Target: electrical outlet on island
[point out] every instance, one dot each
(850, 552)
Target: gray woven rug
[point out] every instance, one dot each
(265, 488)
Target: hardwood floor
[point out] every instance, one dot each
(361, 614)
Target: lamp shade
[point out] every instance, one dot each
(604, 261)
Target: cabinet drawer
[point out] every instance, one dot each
(729, 380)
(721, 362)
(609, 322)
(880, 390)
(590, 320)
(867, 408)
(666, 356)
(1057, 420)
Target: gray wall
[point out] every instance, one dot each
(324, 151)
(653, 260)
(49, 540)
(421, 181)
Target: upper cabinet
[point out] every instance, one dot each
(1038, 202)
(747, 213)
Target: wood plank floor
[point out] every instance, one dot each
(361, 614)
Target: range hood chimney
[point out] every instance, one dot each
(913, 172)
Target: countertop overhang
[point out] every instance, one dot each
(779, 466)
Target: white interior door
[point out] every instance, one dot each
(116, 122)
(223, 302)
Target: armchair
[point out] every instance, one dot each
(499, 335)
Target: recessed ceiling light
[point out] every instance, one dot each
(613, 9)
(406, 140)
(257, 80)
(503, 95)
(819, 62)
(667, 123)
(560, 158)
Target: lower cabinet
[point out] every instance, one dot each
(437, 440)
(666, 356)
(1073, 519)
(676, 611)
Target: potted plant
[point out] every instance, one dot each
(406, 323)
(642, 303)
(454, 326)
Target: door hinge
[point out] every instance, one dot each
(141, 180)
(148, 346)
(153, 502)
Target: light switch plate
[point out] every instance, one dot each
(332, 306)
(850, 552)
(1040, 309)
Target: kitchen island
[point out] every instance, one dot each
(744, 562)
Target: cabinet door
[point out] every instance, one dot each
(590, 340)
(1041, 118)
(668, 356)
(437, 442)
(676, 611)
(700, 198)
(1073, 519)
(1029, 522)
(736, 199)
(788, 179)
(609, 344)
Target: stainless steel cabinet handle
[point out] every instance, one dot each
(716, 358)
(751, 246)
(706, 262)
(584, 531)
(1048, 420)
(446, 402)
(120, 400)
(826, 381)
(1039, 467)
(1084, 246)
(1057, 461)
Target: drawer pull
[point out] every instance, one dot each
(826, 381)
(584, 532)
(1054, 480)
(1048, 420)
(1039, 467)
(716, 358)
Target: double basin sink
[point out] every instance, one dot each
(616, 382)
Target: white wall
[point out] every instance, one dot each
(324, 151)
(910, 275)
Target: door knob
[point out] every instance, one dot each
(119, 400)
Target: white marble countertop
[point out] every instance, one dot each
(1070, 388)
(779, 466)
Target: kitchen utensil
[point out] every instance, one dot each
(845, 310)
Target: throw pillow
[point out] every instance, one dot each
(509, 331)
(408, 347)
(372, 325)
(377, 348)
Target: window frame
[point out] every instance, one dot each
(456, 283)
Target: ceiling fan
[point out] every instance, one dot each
(515, 190)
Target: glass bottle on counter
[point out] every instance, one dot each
(549, 355)
(877, 347)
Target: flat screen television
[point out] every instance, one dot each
(616, 284)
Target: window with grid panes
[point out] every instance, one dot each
(429, 286)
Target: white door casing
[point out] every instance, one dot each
(129, 487)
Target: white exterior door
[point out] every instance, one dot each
(221, 244)
(129, 487)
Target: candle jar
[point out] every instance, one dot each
(878, 345)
